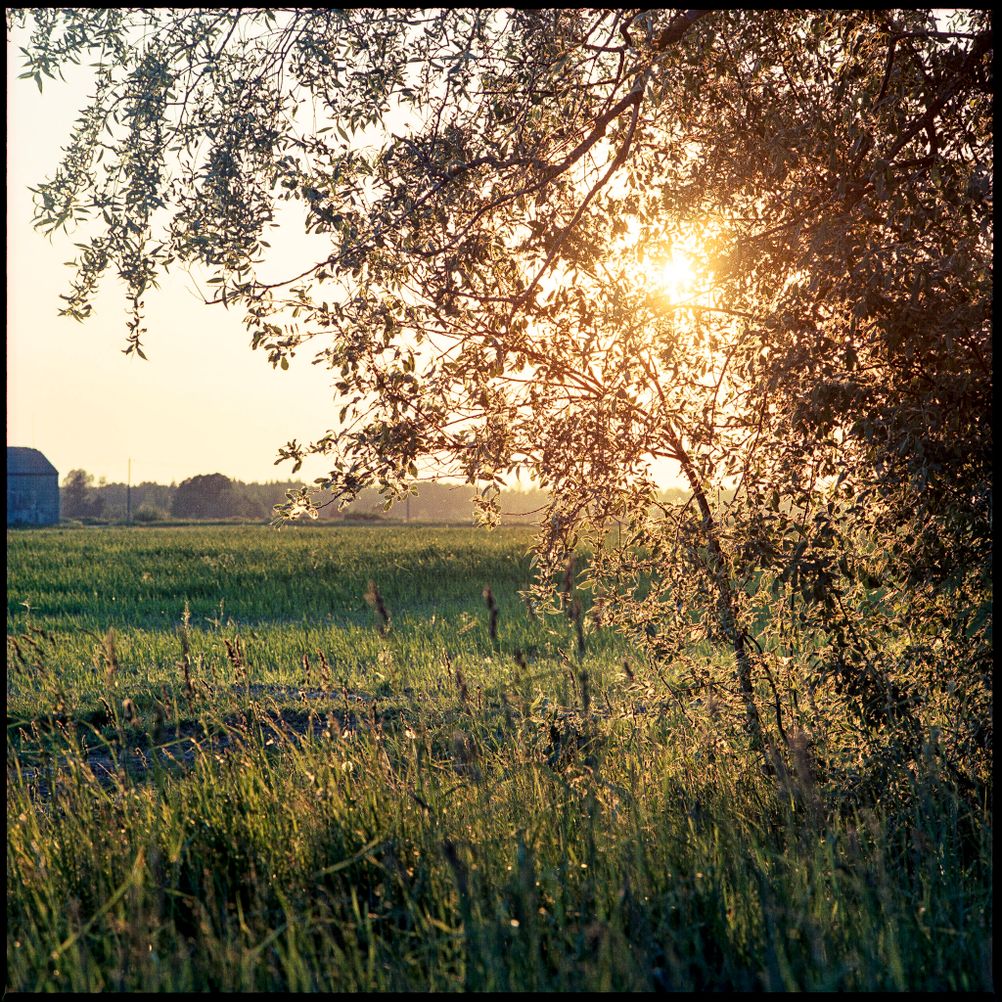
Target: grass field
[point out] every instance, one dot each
(227, 771)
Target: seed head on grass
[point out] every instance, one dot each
(375, 600)
(237, 657)
(334, 730)
(464, 692)
(109, 656)
(492, 610)
(189, 686)
(326, 674)
(184, 633)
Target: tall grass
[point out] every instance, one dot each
(437, 808)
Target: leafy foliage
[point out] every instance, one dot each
(78, 497)
(209, 495)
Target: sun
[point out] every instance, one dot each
(676, 274)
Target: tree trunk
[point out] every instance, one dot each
(727, 614)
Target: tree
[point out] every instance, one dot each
(500, 191)
(78, 498)
(208, 495)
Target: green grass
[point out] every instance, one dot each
(284, 594)
(140, 577)
(435, 811)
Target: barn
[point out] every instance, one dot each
(32, 488)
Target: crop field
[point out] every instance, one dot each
(328, 759)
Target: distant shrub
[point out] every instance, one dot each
(149, 513)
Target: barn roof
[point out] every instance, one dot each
(21, 460)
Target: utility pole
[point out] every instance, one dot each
(128, 495)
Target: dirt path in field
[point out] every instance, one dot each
(176, 747)
(116, 758)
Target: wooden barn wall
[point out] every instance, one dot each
(32, 499)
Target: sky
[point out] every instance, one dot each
(204, 402)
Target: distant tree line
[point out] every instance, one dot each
(214, 496)
(207, 496)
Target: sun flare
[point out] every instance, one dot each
(676, 274)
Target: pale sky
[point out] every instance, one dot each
(203, 403)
